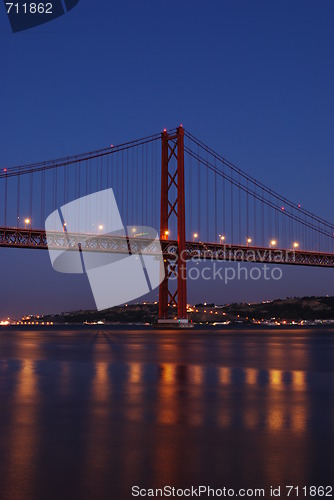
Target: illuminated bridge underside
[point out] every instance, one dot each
(36, 239)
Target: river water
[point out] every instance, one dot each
(89, 412)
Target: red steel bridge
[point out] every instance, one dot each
(205, 206)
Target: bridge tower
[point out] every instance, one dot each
(173, 206)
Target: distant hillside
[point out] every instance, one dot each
(290, 309)
(133, 313)
(308, 308)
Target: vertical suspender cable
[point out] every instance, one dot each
(232, 226)
(215, 214)
(6, 184)
(18, 199)
(247, 211)
(31, 192)
(42, 197)
(199, 196)
(239, 212)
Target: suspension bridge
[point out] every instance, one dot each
(205, 206)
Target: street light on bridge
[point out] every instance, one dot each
(221, 237)
(273, 243)
(249, 240)
(26, 222)
(296, 245)
(195, 236)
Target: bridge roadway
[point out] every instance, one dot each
(37, 239)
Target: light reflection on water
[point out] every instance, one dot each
(166, 379)
(100, 424)
(23, 431)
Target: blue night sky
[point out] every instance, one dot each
(253, 79)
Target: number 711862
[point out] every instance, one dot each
(310, 491)
(32, 8)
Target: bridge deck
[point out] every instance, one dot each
(37, 239)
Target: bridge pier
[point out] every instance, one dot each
(173, 206)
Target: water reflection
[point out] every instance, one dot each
(169, 409)
(196, 374)
(108, 421)
(135, 372)
(23, 435)
(96, 418)
(299, 380)
(251, 376)
(100, 384)
(195, 380)
(225, 375)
